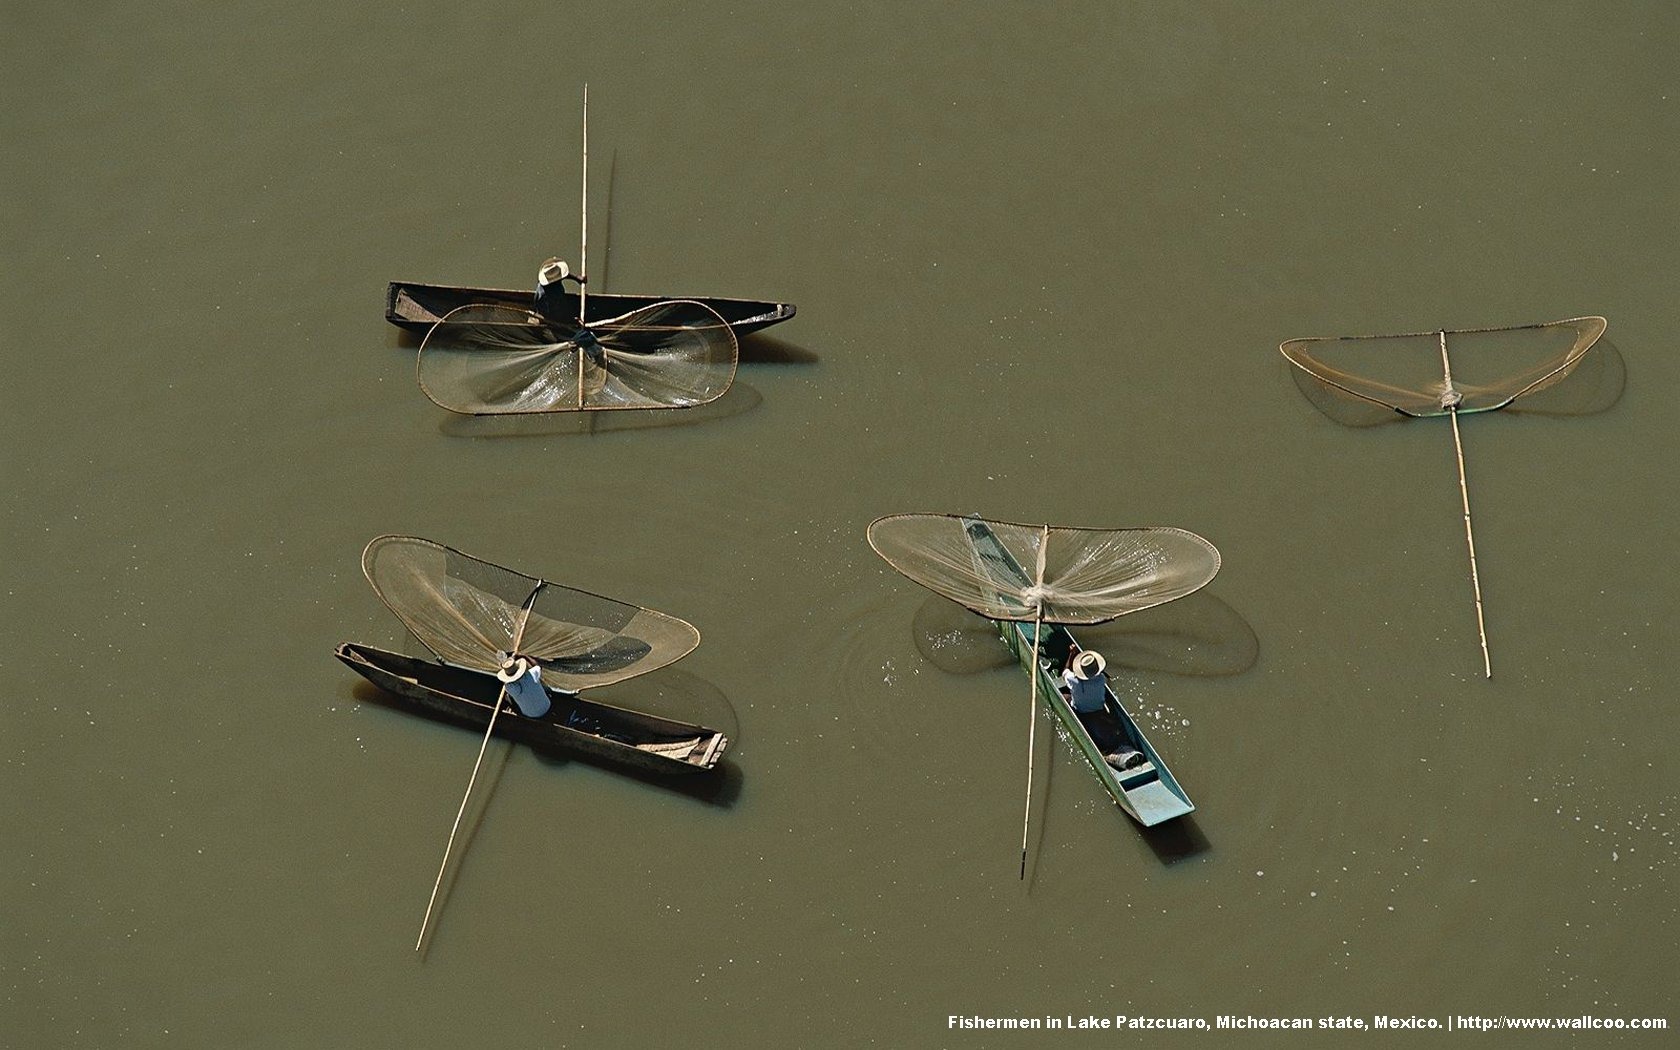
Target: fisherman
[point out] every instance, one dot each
(551, 303)
(1085, 687)
(551, 290)
(521, 679)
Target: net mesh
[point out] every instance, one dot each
(1489, 367)
(1010, 571)
(467, 612)
(485, 359)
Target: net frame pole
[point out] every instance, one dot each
(1032, 702)
(501, 695)
(583, 246)
(1464, 496)
(1032, 745)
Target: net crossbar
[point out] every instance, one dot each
(467, 612)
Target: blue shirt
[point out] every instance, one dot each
(1088, 694)
(527, 693)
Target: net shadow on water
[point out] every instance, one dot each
(1594, 385)
(676, 694)
(1196, 635)
(956, 640)
(739, 399)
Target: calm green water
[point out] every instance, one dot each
(1043, 259)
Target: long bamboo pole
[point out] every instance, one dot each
(1450, 400)
(1032, 730)
(583, 246)
(501, 694)
(1032, 704)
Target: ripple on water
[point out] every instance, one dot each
(875, 700)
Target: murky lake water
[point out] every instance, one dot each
(1043, 260)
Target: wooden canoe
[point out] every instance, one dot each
(1148, 793)
(584, 727)
(416, 307)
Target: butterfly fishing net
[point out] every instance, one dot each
(468, 612)
(1009, 571)
(486, 359)
(1428, 374)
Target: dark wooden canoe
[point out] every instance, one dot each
(585, 727)
(416, 307)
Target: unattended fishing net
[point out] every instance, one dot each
(1417, 374)
(468, 613)
(485, 359)
(1010, 571)
(1448, 373)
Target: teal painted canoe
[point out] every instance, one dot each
(1149, 793)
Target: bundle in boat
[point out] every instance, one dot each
(1447, 373)
(1034, 581)
(491, 359)
(517, 649)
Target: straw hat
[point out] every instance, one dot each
(552, 271)
(513, 669)
(1089, 663)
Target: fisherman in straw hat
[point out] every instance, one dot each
(521, 679)
(1085, 687)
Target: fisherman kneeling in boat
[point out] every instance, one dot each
(1085, 687)
(521, 679)
(551, 302)
(551, 296)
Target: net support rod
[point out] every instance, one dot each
(583, 246)
(1032, 744)
(1450, 397)
(501, 695)
(1032, 701)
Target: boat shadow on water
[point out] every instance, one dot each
(768, 350)
(1176, 841)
